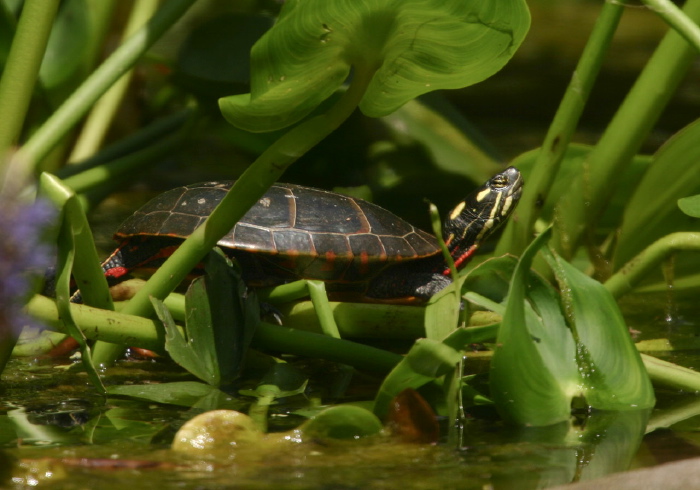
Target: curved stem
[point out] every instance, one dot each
(675, 17)
(623, 281)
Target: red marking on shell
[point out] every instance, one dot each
(330, 259)
(364, 262)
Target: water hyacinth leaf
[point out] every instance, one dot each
(219, 330)
(532, 378)
(690, 206)
(612, 373)
(673, 174)
(410, 47)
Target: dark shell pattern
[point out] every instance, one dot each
(311, 233)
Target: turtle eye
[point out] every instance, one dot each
(499, 181)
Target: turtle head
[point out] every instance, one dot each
(481, 213)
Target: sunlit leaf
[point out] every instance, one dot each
(533, 375)
(611, 371)
(410, 46)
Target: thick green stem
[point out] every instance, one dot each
(589, 195)
(124, 329)
(83, 99)
(518, 232)
(22, 69)
(623, 281)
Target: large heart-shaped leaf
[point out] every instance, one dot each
(407, 47)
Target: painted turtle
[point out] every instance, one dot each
(297, 232)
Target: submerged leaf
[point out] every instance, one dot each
(410, 46)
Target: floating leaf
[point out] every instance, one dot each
(408, 47)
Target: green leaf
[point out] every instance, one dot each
(221, 318)
(76, 256)
(410, 46)
(533, 375)
(690, 206)
(183, 393)
(341, 422)
(673, 174)
(611, 370)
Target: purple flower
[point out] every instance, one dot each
(24, 257)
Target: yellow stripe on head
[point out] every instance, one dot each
(457, 210)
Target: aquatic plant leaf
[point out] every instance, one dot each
(221, 318)
(183, 393)
(341, 422)
(77, 257)
(410, 47)
(533, 374)
(690, 206)
(611, 370)
(652, 211)
(572, 169)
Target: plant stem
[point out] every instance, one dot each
(672, 375)
(22, 69)
(589, 195)
(102, 114)
(623, 281)
(82, 100)
(142, 332)
(136, 141)
(518, 231)
(675, 17)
